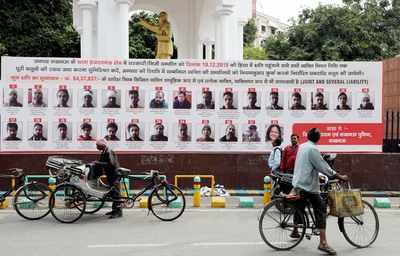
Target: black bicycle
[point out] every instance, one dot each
(284, 214)
(31, 200)
(76, 196)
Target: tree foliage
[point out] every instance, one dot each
(38, 28)
(358, 30)
(249, 33)
(254, 53)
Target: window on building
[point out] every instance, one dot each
(273, 30)
(263, 28)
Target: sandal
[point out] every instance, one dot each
(326, 248)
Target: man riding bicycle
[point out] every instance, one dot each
(309, 163)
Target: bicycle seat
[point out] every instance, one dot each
(292, 197)
(123, 171)
(17, 172)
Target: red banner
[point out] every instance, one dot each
(343, 134)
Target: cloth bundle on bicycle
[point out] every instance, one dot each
(345, 203)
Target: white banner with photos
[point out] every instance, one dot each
(65, 104)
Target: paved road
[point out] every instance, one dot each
(197, 232)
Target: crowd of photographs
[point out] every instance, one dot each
(199, 112)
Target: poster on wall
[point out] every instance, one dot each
(65, 104)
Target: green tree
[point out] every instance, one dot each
(359, 30)
(254, 53)
(38, 28)
(249, 33)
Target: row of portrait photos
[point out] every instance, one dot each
(158, 130)
(227, 98)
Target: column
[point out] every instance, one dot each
(123, 9)
(86, 8)
(222, 31)
(239, 41)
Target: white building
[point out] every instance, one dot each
(267, 26)
(218, 24)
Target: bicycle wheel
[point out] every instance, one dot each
(67, 203)
(276, 225)
(167, 202)
(31, 201)
(361, 231)
(93, 204)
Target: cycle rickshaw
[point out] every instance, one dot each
(76, 195)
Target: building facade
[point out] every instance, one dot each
(216, 25)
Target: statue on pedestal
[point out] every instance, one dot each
(163, 34)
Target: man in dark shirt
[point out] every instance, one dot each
(12, 130)
(62, 98)
(87, 99)
(158, 101)
(342, 99)
(252, 100)
(273, 100)
(230, 134)
(108, 163)
(38, 133)
(112, 129)
(134, 132)
(159, 136)
(296, 102)
(366, 103)
(181, 102)
(13, 99)
(207, 103)
(111, 100)
(319, 102)
(228, 101)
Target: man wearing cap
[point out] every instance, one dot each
(251, 134)
(38, 133)
(87, 99)
(108, 163)
(62, 132)
(111, 100)
(86, 129)
(13, 99)
(12, 130)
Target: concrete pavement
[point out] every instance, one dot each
(198, 232)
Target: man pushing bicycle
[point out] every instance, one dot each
(108, 163)
(309, 163)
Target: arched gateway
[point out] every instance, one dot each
(103, 26)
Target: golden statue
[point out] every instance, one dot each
(163, 35)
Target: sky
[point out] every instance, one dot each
(286, 9)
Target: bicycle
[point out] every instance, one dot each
(31, 199)
(278, 220)
(70, 199)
